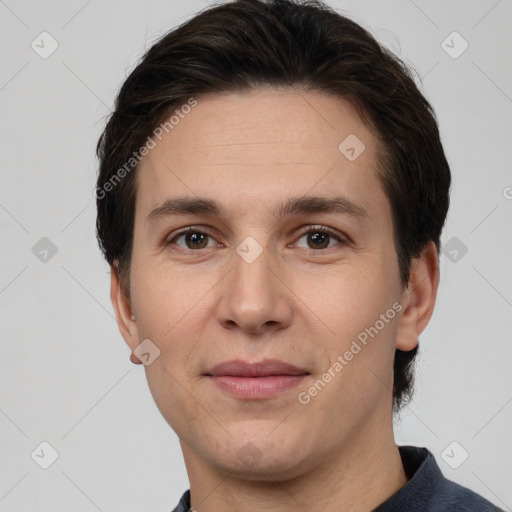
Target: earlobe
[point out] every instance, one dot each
(122, 307)
(418, 298)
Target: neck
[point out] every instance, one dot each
(358, 477)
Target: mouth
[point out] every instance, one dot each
(258, 380)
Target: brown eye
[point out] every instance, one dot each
(196, 240)
(321, 238)
(191, 239)
(318, 240)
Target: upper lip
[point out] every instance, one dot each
(240, 368)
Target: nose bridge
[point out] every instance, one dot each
(253, 297)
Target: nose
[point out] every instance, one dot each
(254, 297)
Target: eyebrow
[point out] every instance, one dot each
(294, 206)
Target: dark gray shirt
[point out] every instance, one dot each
(426, 491)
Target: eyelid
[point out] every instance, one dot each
(189, 229)
(341, 238)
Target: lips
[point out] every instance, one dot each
(256, 381)
(266, 368)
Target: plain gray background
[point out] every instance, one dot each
(65, 375)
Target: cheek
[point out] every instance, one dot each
(169, 392)
(348, 299)
(166, 300)
(172, 316)
(359, 322)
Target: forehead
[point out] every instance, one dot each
(245, 147)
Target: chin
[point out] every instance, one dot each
(277, 457)
(266, 469)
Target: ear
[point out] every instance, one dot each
(123, 310)
(418, 298)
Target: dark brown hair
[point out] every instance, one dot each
(281, 43)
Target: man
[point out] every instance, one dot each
(271, 195)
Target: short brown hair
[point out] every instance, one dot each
(283, 43)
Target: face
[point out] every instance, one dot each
(289, 256)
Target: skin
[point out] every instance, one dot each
(201, 303)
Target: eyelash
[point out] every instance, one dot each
(310, 229)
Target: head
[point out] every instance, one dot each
(252, 106)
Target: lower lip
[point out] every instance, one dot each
(253, 388)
